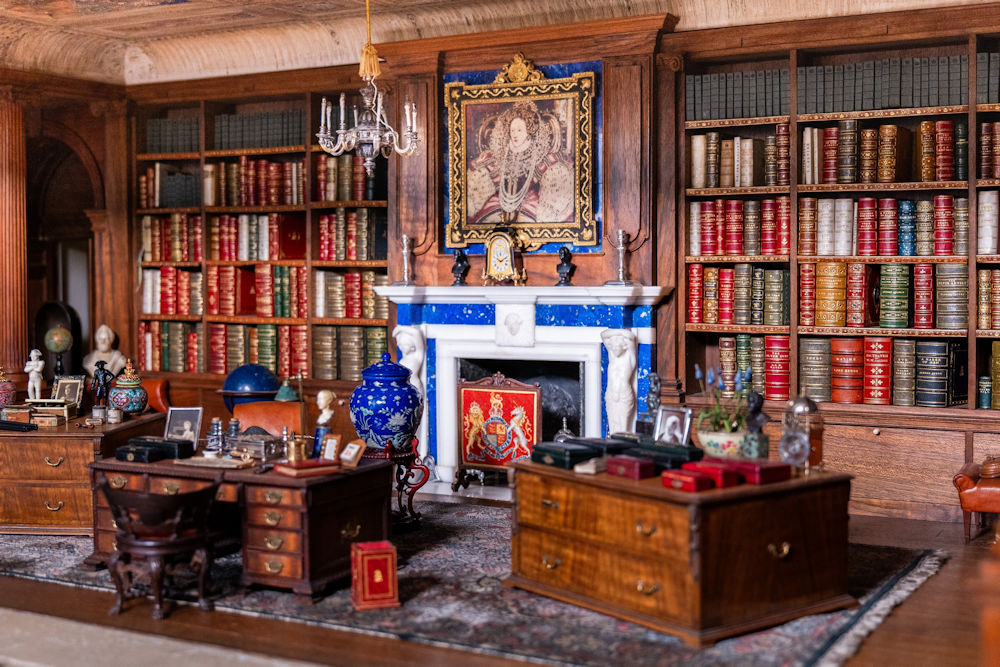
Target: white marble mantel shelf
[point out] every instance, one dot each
(607, 295)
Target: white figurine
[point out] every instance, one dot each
(34, 368)
(324, 399)
(619, 398)
(114, 360)
(413, 348)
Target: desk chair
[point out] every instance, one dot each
(158, 535)
(978, 491)
(272, 415)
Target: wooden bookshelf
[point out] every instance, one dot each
(879, 114)
(880, 331)
(882, 187)
(737, 328)
(885, 259)
(249, 152)
(733, 122)
(739, 259)
(738, 192)
(166, 157)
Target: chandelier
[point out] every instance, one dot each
(372, 134)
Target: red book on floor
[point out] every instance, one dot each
(374, 583)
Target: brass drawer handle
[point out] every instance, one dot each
(272, 518)
(642, 530)
(117, 482)
(171, 488)
(273, 543)
(779, 551)
(551, 564)
(641, 587)
(56, 508)
(49, 462)
(273, 566)
(350, 531)
(550, 503)
(273, 497)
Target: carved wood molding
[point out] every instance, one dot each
(116, 108)
(19, 95)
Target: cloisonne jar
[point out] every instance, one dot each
(386, 408)
(128, 394)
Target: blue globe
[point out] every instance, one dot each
(249, 383)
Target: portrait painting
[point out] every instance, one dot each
(673, 425)
(68, 388)
(521, 156)
(183, 424)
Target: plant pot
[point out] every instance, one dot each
(721, 443)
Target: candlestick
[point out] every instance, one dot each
(322, 116)
(343, 103)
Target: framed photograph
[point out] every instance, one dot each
(183, 424)
(68, 388)
(351, 454)
(673, 425)
(332, 444)
(521, 154)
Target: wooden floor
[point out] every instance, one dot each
(937, 625)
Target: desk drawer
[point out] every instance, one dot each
(228, 493)
(274, 517)
(263, 539)
(275, 495)
(49, 460)
(44, 505)
(173, 485)
(118, 480)
(268, 564)
(636, 525)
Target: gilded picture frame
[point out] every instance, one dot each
(521, 155)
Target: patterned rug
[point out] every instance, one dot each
(450, 586)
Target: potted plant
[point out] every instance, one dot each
(722, 425)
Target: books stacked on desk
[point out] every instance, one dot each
(308, 467)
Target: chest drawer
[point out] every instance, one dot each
(267, 564)
(275, 495)
(173, 485)
(44, 505)
(274, 517)
(53, 460)
(263, 539)
(626, 522)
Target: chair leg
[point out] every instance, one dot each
(204, 558)
(156, 582)
(967, 520)
(114, 563)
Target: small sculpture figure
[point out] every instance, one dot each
(34, 368)
(324, 399)
(114, 359)
(412, 349)
(101, 383)
(565, 267)
(756, 444)
(460, 268)
(619, 397)
(653, 395)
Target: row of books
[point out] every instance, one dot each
(739, 227)
(347, 234)
(987, 77)
(246, 182)
(847, 153)
(881, 370)
(989, 150)
(870, 226)
(171, 291)
(343, 178)
(718, 162)
(350, 294)
(263, 290)
(849, 294)
(259, 130)
(742, 294)
(887, 83)
(342, 352)
(988, 298)
(164, 185)
(174, 238)
(767, 358)
(747, 94)
(987, 217)
(173, 135)
(249, 237)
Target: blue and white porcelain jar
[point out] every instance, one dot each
(385, 407)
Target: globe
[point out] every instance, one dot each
(249, 383)
(58, 340)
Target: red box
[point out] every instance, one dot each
(687, 480)
(631, 466)
(721, 475)
(373, 575)
(756, 471)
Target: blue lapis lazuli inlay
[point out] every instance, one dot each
(430, 363)
(614, 317)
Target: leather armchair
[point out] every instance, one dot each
(976, 494)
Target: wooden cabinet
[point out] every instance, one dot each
(703, 565)
(44, 473)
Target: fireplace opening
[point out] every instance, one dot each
(562, 384)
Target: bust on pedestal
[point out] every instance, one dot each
(114, 361)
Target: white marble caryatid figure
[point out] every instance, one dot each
(34, 368)
(324, 399)
(619, 397)
(412, 348)
(114, 360)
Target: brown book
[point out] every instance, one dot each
(924, 153)
(893, 154)
(308, 468)
(726, 164)
(868, 160)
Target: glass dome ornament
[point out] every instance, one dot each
(801, 443)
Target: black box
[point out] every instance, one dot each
(172, 449)
(140, 453)
(667, 457)
(562, 454)
(606, 446)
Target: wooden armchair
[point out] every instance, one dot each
(272, 415)
(157, 535)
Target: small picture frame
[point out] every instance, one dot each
(183, 424)
(673, 425)
(68, 388)
(351, 454)
(332, 444)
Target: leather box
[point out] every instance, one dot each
(140, 453)
(687, 480)
(562, 454)
(722, 476)
(607, 446)
(373, 575)
(632, 467)
(666, 456)
(757, 471)
(172, 449)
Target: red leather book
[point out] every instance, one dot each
(303, 300)
(183, 292)
(695, 293)
(324, 237)
(995, 143)
(768, 227)
(867, 226)
(631, 467)
(776, 365)
(284, 350)
(291, 238)
(784, 224)
(721, 476)
(273, 224)
(197, 236)
(264, 284)
(212, 289)
(726, 290)
(708, 222)
(168, 290)
(847, 370)
(156, 353)
(686, 480)
(192, 351)
(944, 137)
(733, 235)
(923, 296)
(720, 226)
(141, 358)
(888, 239)
(756, 471)
(944, 225)
(216, 348)
(807, 225)
(373, 575)
(878, 370)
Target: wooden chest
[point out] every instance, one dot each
(704, 565)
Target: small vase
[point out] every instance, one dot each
(7, 392)
(128, 394)
(721, 443)
(386, 408)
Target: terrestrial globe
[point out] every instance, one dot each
(249, 383)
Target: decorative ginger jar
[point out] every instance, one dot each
(128, 394)
(386, 408)
(721, 443)
(7, 390)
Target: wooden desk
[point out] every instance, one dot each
(44, 478)
(295, 533)
(703, 566)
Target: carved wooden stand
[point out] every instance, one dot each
(411, 475)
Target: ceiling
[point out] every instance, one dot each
(145, 41)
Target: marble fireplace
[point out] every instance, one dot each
(519, 323)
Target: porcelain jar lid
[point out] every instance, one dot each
(386, 370)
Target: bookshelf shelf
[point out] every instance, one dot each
(878, 331)
(253, 262)
(733, 122)
(736, 328)
(882, 187)
(273, 208)
(737, 192)
(350, 203)
(239, 152)
(988, 183)
(251, 319)
(350, 263)
(988, 259)
(987, 108)
(350, 321)
(886, 259)
(163, 157)
(154, 317)
(987, 333)
(885, 113)
(168, 211)
(738, 259)
(178, 265)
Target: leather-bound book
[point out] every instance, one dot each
(847, 370)
(944, 150)
(924, 153)
(894, 296)
(783, 218)
(771, 160)
(742, 278)
(986, 222)
(986, 150)
(904, 371)
(808, 149)
(952, 294)
(877, 370)
(995, 299)
(843, 227)
(807, 225)
(961, 214)
(264, 285)
(923, 296)
(868, 156)
(867, 245)
(697, 169)
(768, 227)
(814, 368)
(995, 374)
(925, 228)
(712, 155)
(958, 371)
(725, 296)
(859, 284)
(733, 235)
(757, 295)
(807, 294)
(710, 302)
(847, 151)
(720, 226)
(708, 219)
(984, 292)
(727, 365)
(907, 222)
(751, 162)
(751, 227)
(828, 173)
(888, 241)
(831, 294)
(216, 348)
(893, 154)
(783, 144)
(932, 374)
(776, 297)
(824, 227)
(776, 361)
(944, 225)
(695, 293)
(961, 151)
(757, 364)
(996, 149)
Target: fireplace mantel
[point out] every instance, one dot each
(606, 295)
